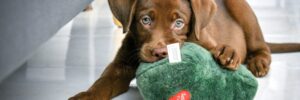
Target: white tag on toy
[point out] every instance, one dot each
(174, 53)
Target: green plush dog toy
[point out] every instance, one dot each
(196, 77)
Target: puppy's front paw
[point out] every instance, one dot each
(90, 96)
(82, 96)
(259, 65)
(226, 56)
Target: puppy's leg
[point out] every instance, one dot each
(116, 77)
(258, 53)
(225, 55)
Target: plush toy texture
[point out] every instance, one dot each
(197, 77)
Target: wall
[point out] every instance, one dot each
(27, 24)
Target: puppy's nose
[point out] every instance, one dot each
(160, 52)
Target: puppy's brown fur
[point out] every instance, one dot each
(227, 28)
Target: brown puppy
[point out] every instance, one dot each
(227, 28)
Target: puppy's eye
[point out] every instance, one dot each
(146, 20)
(178, 24)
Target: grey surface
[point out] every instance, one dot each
(27, 24)
(76, 56)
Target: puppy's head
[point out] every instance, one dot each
(157, 23)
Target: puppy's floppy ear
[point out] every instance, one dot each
(203, 11)
(124, 11)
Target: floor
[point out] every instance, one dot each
(75, 57)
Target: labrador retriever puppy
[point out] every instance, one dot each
(227, 28)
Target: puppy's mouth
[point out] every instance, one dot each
(150, 59)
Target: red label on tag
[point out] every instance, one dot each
(182, 95)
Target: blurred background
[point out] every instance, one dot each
(51, 49)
